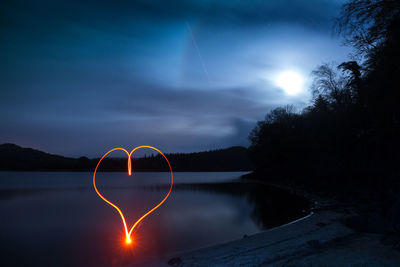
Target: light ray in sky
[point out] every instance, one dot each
(198, 52)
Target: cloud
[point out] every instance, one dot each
(78, 77)
(111, 13)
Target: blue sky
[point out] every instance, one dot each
(80, 77)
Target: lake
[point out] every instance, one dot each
(57, 219)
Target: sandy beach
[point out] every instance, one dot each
(318, 239)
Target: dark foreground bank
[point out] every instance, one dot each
(332, 234)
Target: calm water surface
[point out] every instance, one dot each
(57, 219)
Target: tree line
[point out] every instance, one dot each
(16, 158)
(348, 138)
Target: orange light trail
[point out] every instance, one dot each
(129, 232)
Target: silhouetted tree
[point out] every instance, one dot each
(367, 24)
(332, 86)
(350, 134)
(320, 105)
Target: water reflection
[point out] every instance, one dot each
(271, 206)
(58, 220)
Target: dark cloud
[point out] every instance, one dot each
(78, 77)
(52, 15)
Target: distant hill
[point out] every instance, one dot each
(16, 158)
(13, 157)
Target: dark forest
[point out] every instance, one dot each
(347, 142)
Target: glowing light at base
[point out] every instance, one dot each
(128, 232)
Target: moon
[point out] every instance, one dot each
(291, 82)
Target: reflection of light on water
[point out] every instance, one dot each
(88, 234)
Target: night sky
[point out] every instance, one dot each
(78, 79)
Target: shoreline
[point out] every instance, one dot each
(318, 239)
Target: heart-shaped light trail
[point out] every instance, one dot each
(128, 233)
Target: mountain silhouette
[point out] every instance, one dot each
(16, 158)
